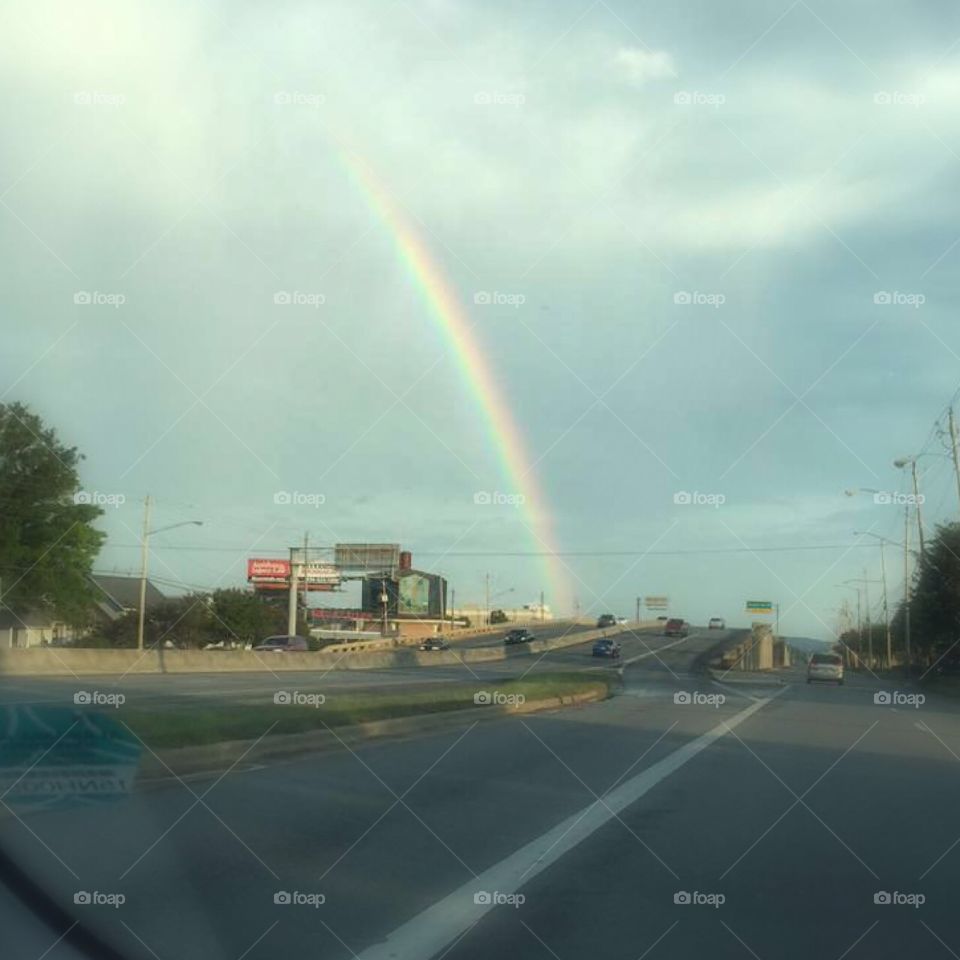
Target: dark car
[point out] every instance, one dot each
(283, 644)
(435, 643)
(606, 620)
(606, 647)
(675, 627)
(518, 636)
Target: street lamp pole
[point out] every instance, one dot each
(145, 558)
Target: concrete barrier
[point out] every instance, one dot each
(50, 661)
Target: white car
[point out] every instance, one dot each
(825, 666)
(716, 623)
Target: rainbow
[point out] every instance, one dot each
(450, 318)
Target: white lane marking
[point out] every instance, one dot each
(653, 653)
(426, 934)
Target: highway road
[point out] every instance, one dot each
(757, 817)
(169, 691)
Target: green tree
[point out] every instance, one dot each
(47, 539)
(935, 606)
(241, 616)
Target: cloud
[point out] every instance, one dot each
(638, 66)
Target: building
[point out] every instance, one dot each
(114, 597)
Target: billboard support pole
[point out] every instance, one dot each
(292, 604)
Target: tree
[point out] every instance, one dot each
(47, 539)
(935, 606)
(498, 616)
(241, 616)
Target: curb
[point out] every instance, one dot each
(166, 764)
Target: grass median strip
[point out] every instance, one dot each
(193, 725)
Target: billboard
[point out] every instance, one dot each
(268, 571)
(367, 556)
(414, 594)
(656, 603)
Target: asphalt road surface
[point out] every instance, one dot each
(757, 817)
(169, 691)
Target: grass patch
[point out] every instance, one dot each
(192, 725)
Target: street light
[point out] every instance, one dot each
(906, 565)
(900, 463)
(883, 576)
(144, 558)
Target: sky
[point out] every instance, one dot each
(706, 253)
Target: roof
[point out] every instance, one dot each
(119, 594)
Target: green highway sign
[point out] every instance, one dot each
(759, 606)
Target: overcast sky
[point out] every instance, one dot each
(734, 230)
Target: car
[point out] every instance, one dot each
(606, 647)
(519, 635)
(621, 621)
(825, 666)
(606, 620)
(717, 623)
(675, 627)
(282, 643)
(435, 643)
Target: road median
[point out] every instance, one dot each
(206, 739)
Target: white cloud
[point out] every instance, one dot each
(638, 66)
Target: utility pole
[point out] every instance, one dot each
(886, 606)
(953, 448)
(487, 600)
(144, 559)
(906, 585)
(453, 608)
(306, 563)
(866, 603)
(916, 496)
(638, 609)
(776, 635)
(541, 606)
(294, 587)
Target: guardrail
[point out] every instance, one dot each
(49, 661)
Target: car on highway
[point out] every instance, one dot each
(825, 666)
(606, 620)
(606, 647)
(435, 643)
(518, 635)
(717, 623)
(675, 627)
(283, 643)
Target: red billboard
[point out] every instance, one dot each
(268, 571)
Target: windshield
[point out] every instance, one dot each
(441, 346)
